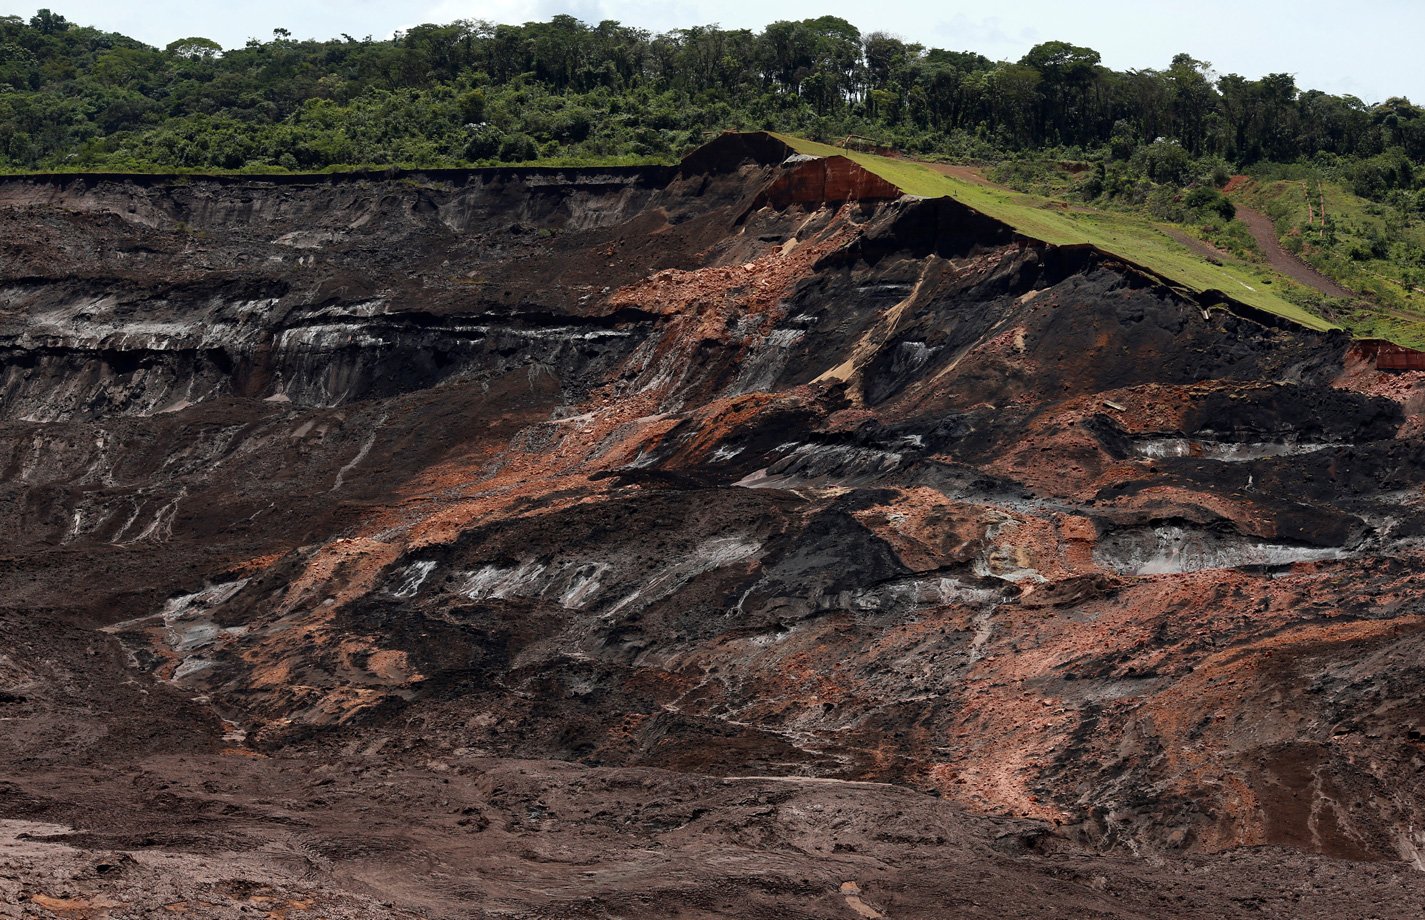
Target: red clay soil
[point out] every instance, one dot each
(1392, 357)
(828, 179)
(1234, 184)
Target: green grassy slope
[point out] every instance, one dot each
(1373, 248)
(1133, 239)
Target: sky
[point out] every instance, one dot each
(1369, 48)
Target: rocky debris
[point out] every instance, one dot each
(643, 542)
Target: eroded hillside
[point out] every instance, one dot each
(684, 541)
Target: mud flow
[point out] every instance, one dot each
(735, 539)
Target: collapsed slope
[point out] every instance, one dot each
(747, 467)
(1139, 243)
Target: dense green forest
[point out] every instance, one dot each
(476, 93)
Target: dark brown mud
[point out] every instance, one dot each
(682, 542)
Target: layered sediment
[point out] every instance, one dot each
(740, 509)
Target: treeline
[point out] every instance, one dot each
(473, 92)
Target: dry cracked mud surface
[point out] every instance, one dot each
(736, 539)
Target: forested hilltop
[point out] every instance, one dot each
(475, 93)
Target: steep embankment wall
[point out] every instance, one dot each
(735, 468)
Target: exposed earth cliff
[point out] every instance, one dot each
(736, 539)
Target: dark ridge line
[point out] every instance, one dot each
(1206, 299)
(649, 173)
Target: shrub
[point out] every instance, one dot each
(1165, 162)
(483, 144)
(1210, 200)
(517, 148)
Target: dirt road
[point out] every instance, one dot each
(1282, 261)
(1201, 247)
(967, 173)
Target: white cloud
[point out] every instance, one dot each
(513, 11)
(989, 36)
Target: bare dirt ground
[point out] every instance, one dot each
(361, 836)
(967, 173)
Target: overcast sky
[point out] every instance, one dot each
(1370, 48)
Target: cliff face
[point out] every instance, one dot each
(736, 469)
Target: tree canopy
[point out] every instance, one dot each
(474, 92)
